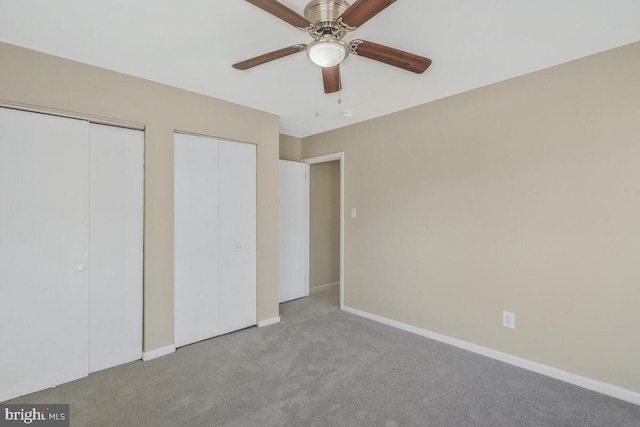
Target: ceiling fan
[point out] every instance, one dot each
(328, 21)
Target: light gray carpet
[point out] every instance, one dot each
(324, 367)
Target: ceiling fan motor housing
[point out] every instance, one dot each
(325, 12)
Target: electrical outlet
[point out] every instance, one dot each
(509, 319)
(354, 213)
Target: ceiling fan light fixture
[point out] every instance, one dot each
(327, 52)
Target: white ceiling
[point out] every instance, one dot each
(191, 44)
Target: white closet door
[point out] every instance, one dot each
(237, 236)
(115, 246)
(44, 251)
(196, 239)
(294, 230)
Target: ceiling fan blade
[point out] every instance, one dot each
(398, 58)
(267, 57)
(363, 10)
(331, 79)
(281, 11)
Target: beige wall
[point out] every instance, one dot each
(290, 148)
(520, 196)
(324, 224)
(41, 80)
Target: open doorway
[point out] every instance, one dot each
(326, 224)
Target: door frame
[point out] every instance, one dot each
(330, 158)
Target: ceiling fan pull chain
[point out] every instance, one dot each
(316, 92)
(340, 91)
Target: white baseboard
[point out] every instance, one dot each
(158, 352)
(268, 322)
(323, 287)
(559, 374)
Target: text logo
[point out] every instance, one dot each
(40, 415)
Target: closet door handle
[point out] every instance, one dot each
(239, 246)
(80, 268)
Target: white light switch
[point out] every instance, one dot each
(353, 213)
(509, 319)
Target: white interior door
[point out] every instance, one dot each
(294, 230)
(116, 210)
(196, 239)
(237, 204)
(44, 251)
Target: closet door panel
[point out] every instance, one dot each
(44, 251)
(196, 238)
(115, 246)
(237, 202)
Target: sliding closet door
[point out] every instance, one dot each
(44, 251)
(116, 246)
(196, 238)
(237, 236)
